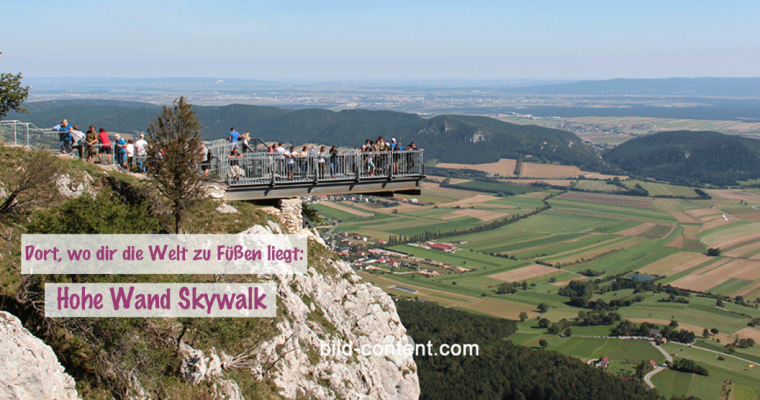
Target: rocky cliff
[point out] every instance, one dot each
(28, 367)
(329, 306)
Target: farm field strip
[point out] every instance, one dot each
(676, 263)
(720, 229)
(346, 209)
(481, 242)
(731, 286)
(540, 241)
(717, 274)
(553, 222)
(745, 251)
(609, 199)
(593, 251)
(662, 189)
(648, 234)
(568, 246)
(737, 235)
(615, 211)
(524, 273)
(638, 229)
(600, 186)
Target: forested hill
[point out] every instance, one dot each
(473, 139)
(502, 370)
(451, 138)
(689, 157)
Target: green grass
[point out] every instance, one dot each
(705, 387)
(741, 392)
(464, 258)
(613, 210)
(497, 187)
(657, 232)
(662, 189)
(730, 286)
(518, 201)
(728, 230)
(333, 213)
(573, 229)
(599, 186)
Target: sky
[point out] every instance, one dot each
(381, 40)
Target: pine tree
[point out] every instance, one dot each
(173, 155)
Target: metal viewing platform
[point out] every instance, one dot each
(259, 175)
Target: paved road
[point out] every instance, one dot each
(719, 353)
(648, 377)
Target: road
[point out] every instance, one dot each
(648, 377)
(719, 353)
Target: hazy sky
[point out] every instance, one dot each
(319, 40)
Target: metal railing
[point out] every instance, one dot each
(258, 168)
(254, 167)
(26, 134)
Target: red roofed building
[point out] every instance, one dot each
(441, 246)
(603, 362)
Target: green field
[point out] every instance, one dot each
(599, 186)
(612, 235)
(662, 189)
(729, 369)
(496, 187)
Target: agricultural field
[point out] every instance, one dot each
(597, 186)
(496, 187)
(587, 237)
(506, 167)
(662, 189)
(625, 127)
(744, 380)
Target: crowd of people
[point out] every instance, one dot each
(128, 155)
(378, 157)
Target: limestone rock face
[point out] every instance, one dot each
(227, 209)
(28, 367)
(329, 307)
(71, 187)
(193, 367)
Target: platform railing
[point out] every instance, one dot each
(260, 168)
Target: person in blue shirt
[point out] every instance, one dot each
(121, 145)
(234, 135)
(64, 134)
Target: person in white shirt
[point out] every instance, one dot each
(290, 162)
(141, 151)
(77, 137)
(280, 150)
(130, 155)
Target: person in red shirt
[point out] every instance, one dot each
(105, 146)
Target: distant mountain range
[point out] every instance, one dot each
(690, 157)
(734, 87)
